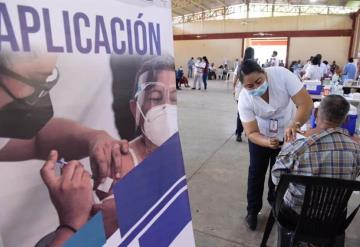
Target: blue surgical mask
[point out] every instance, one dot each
(260, 90)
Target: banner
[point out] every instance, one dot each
(89, 146)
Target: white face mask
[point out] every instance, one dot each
(160, 123)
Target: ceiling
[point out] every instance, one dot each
(183, 7)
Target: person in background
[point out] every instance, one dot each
(322, 65)
(327, 68)
(293, 66)
(332, 67)
(179, 76)
(225, 72)
(349, 70)
(314, 71)
(274, 61)
(205, 72)
(358, 69)
(336, 78)
(199, 65)
(190, 65)
(281, 63)
(273, 105)
(328, 151)
(248, 54)
(212, 72)
(308, 63)
(236, 64)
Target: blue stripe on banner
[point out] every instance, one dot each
(163, 232)
(137, 192)
(153, 213)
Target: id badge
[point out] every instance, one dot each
(274, 126)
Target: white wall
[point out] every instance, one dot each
(216, 50)
(331, 48)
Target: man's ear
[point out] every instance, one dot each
(346, 119)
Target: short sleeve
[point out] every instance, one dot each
(244, 107)
(307, 72)
(292, 83)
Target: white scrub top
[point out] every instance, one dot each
(314, 72)
(282, 86)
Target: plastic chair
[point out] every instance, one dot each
(323, 215)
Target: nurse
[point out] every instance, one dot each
(273, 106)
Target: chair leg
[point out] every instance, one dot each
(269, 225)
(339, 241)
(285, 237)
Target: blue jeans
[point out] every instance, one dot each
(205, 77)
(190, 72)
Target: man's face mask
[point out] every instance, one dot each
(24, 117)
(160, 121)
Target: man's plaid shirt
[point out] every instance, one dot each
(330, 153)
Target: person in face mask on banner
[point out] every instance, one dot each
(154, 106)
(27, 127)
(272, 108)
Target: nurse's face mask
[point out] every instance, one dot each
(156, 104)
(256, 84)
(24, 117)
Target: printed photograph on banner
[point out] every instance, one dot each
(88, 120)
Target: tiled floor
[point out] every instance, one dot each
(217, 167)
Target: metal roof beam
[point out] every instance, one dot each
(221, 2)
(200, 5)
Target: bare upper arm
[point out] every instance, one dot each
(302, 98)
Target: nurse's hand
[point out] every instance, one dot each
(71, 193)
(106, 155)
(290, 133)
(274, 143)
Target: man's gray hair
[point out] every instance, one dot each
(334, 109)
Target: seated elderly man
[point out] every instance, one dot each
(328, 151)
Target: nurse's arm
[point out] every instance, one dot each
(70, 138)
(253, 133)
(304, 105)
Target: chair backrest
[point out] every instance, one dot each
(324, 208)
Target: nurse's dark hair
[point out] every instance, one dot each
(151, 66)
(334, 109)
(249, 66)
(316, 60)
(249, 53)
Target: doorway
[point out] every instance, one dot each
(264, 48)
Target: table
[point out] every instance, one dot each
(350, 86)
(320, 97)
